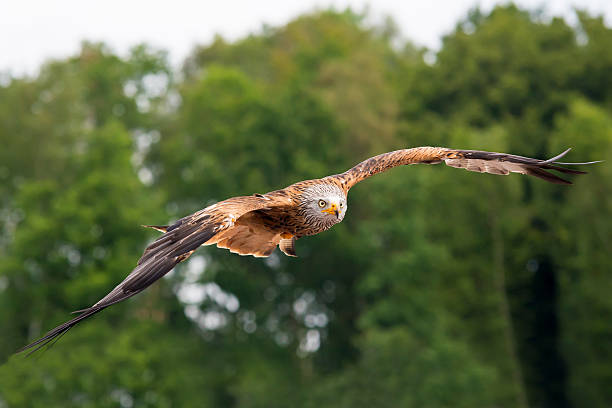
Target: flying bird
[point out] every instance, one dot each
(257, 224)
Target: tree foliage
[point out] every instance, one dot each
(441, 288)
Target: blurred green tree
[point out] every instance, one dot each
(439, 289)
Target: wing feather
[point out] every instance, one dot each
(502, 163)
(472, 160)
(178, 242)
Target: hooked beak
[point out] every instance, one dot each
(333, 209)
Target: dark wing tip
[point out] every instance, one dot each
(544, 175)
(529, 166)
(53, 335)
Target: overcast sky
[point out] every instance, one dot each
(32, 31)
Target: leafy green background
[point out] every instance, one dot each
(441, 288)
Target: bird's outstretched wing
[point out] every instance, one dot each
(178, 242)
(473, 160)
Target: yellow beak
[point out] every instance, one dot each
(333, 209)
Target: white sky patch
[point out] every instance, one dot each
(311, 342)
(301, 304)
(196, 293)
(192, 294)
(39, 30)
(123, 397)
(71, 253)
(316, 320)
(212, 320)
(195, 268)
(145, 175)
(155, 85)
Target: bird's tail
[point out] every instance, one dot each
(55, 334)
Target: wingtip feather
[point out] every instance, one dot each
(553, 159)
(54, 334)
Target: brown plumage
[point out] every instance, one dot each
(255, 225)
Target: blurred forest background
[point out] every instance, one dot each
(441, 288)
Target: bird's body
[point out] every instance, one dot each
(257, 224)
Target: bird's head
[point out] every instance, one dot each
(324, 204)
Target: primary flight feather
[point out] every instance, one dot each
(256, 225)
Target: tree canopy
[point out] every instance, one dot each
(441, 288)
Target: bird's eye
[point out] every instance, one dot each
(341, 205)
(322, 203)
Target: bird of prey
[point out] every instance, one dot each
(257, 224)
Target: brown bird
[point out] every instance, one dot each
(255, 225)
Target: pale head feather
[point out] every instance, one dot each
(327, 195)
